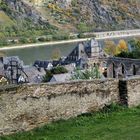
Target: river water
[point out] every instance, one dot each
(29, 55)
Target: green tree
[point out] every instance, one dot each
(92, 73)
(135, 53)
(59, 70)
(56, 70)
(110, 48)
(47, 77)
(82, 27)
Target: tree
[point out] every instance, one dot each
(110, 48)
(59, 70)
(23, 40)
(135, 53)
(92, 73)
(47, 77)
(56, 70)
(83, 27)
(134, 43)
(56, 54)
(121, 47)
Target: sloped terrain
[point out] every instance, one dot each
(70, 15)
(20, 19)
(97, 14)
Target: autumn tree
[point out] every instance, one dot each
(110, 48)
(121, 47)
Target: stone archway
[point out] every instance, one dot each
(122, 69)
(134, 70)
(113, 70)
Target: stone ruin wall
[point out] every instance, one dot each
(25, 107)
(133, 92)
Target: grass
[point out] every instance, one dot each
(5, 20)
(116, 123)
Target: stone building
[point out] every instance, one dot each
(13, 69)
(88, 54)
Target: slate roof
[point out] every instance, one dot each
(34, 76)
(61, 77)
(43, 64)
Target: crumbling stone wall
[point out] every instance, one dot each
(133, 92)
(25, 107)
(28, 106)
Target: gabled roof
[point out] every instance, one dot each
(61, 77)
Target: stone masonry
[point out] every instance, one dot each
(28, 106)
(133, 92)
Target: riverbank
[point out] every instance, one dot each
(43, 44)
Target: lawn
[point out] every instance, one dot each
(116, 123)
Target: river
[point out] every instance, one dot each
(29, 55)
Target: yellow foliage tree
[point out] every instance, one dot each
(121, 47)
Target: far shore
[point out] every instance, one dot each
(42, 44)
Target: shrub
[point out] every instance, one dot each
(81, 35)
(59, 70)
(55, 70)
(87, 74)
(47, 76)
(23, 40)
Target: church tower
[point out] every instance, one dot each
(95, 49)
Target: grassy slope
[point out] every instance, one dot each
(5, 20)
(118, 125)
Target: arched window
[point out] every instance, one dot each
(134, 70)
(113, 69)
(123, 68)
(105, 72)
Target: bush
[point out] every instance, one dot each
(59, 70)
(23, 40)
(87, 74)
(82, 27)
(47, 76)
(3, 42)
(135, 50)
(49, 38)
(61, 36)
(56, 70)
(33, 40)
(81, 35)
